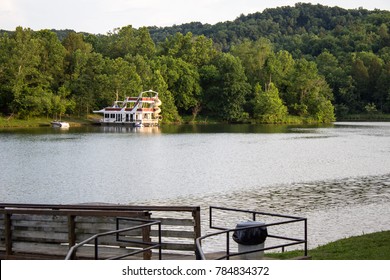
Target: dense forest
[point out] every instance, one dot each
(306, 63)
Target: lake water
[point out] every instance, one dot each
(338, 176)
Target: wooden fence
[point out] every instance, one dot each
(36, 231)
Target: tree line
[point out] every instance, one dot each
(270, 78)
(350, 47)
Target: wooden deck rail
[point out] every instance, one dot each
(48, 231)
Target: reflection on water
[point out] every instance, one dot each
(239, 128)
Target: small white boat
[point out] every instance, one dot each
(60, 124)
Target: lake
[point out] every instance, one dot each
(338, 176)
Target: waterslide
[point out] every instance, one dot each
(156, 107)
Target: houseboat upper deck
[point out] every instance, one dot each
(143, 110)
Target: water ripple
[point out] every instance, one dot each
(335, 208)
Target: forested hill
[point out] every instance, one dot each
(295, 29)
(351, 47)
(288, 64)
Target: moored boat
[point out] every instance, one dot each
(60, 124)
(140, 111)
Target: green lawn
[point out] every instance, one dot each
(373, 246)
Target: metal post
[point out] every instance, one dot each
(96, 248)
(305, 221)
(159, 241)
(227, 245)
(210, 217)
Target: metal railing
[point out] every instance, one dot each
(226, 231)
(150, 245)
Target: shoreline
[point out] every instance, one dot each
(6, 122)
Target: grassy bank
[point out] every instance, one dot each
(373, 246)
(11, 122)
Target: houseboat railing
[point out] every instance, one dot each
(95, 238)
(228, 233)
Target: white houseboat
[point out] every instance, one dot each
(143, 110)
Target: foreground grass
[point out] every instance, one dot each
(373, 246)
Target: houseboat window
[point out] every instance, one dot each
(106, 116)
(112, 116)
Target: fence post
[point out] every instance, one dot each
(197, 225)
(8, 233)
(147, 255)
(71, 233)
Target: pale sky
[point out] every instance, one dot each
(102, 16)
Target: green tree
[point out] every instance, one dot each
(61, 103)
(127, 41)
(308, 94)
(183, 81)
(168, 108)
(269, 108)
(196, 50)
(25, 85)
(84, 83)
(225, 88)
(118, 79)
(52, 58)
(75, 46)
(254, 56)
(279, 67)
(384, 88)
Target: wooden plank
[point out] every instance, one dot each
(107, 239)
(107, 224)
(176, 222)
(61, 229)
(65, 212)
(42, 236)
(103, 206)
(93, 227)
(92, 231)
(178, 246)
(174, 233)
(95, 219)
(88, 252)
(40, 248)
(37, 218)
(40, 224)
(2, 223)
